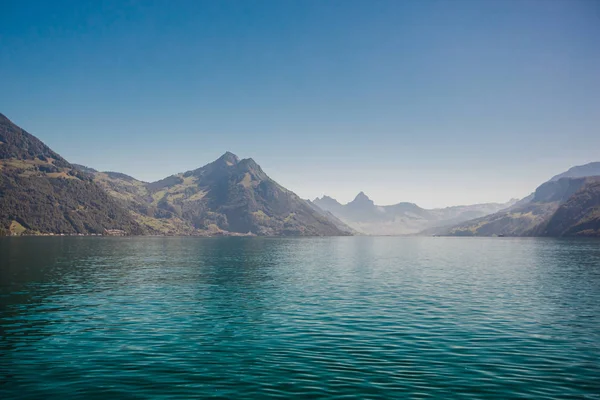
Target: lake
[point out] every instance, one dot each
(343, 317)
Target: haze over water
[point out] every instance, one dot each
(362, 317)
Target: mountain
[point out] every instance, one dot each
(227, 196)
(328, 203)
(363, 215)
(136, 197)
(566, 205)
(341, 225)
(579, 215)
(361, 203)
(41, 192)
(580, 171)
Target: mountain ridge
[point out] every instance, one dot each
(568, 204)
(403, 218)
(42, 193)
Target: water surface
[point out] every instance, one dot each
(351, 317)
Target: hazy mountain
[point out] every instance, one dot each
(228, 195)
(341, 225)
(580, 171)
(568, 204)
(365, 216)
(361, 209)
(328, 203)
(40, 192)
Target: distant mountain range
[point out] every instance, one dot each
(566, 205)
(42, 193)
(403, 218)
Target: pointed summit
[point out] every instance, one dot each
(362, 198)
(361, 202)
(229, 158)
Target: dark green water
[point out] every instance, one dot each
(299, 318)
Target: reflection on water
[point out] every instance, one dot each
(362, 317)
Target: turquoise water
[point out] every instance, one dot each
(351, 317)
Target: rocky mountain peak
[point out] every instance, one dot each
(229, 158)
(362, 199)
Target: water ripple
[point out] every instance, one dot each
(331, 318)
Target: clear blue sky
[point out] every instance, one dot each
(434, 102)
